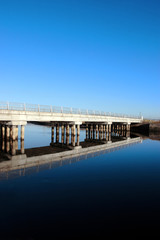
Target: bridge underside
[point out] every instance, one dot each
(64, 124)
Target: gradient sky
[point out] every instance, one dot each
(89, 54)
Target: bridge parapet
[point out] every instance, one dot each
(54, 109)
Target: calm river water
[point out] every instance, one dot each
(106, 193)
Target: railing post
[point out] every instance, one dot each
(51, 108)
(24, 107)
(70, 110)
(38, 108)
(61, 109)
(7, 105)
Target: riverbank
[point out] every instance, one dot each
(146, 127)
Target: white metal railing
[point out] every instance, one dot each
(53, 109)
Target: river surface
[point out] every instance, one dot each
(113, 192)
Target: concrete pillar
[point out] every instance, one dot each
(101, 131)
(62, 133)
(110, 125)
(22, 132)
(7, 145)
(16, 131)
(91, 131)
(22, 146)
(96, 131)
(100, 134)
(128, 126)
(52, 134)
(78, 129)
(73, 130)
(104, 131)
(3, 131)
(113, 127)
(7, 132)
(117, 127)
(77, 140)
(3, 144)
(67, 134)
(107, 128)
(13, 148)
(123, 134)
(128, 134)
(16, 141)
(57, 133)
(73, 141)
(109, 137)
(78, 134)
(73, 134)
(122, 127)
(86, 131)
(13, 133)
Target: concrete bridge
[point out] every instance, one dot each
(13, 115)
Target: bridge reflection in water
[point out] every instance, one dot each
(16, 162)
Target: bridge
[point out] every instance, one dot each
(13, 115)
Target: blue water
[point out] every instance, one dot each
(117, 193)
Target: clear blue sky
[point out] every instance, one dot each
(90, 54)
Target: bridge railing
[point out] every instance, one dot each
(55, 109)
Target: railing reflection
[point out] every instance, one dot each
(14, 162)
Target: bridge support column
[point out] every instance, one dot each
(109, 137)
(7, 145)
(73, 134)
(104, 131)
(13, 133)
(57, 133)
(62, 133)
(78, 129)
(128, 135)
(78, 133)
(52, 134)
(86, 131)
(16, 132)
(91, 131)
(128, 126)
(3, 131)
(13, 148)
(22, 132)
(67, 134)
(110, 127)
(22, 146)
(3, 144)
(100, 132)
(7, 132)
(96, 131)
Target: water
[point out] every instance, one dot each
(105, 193)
